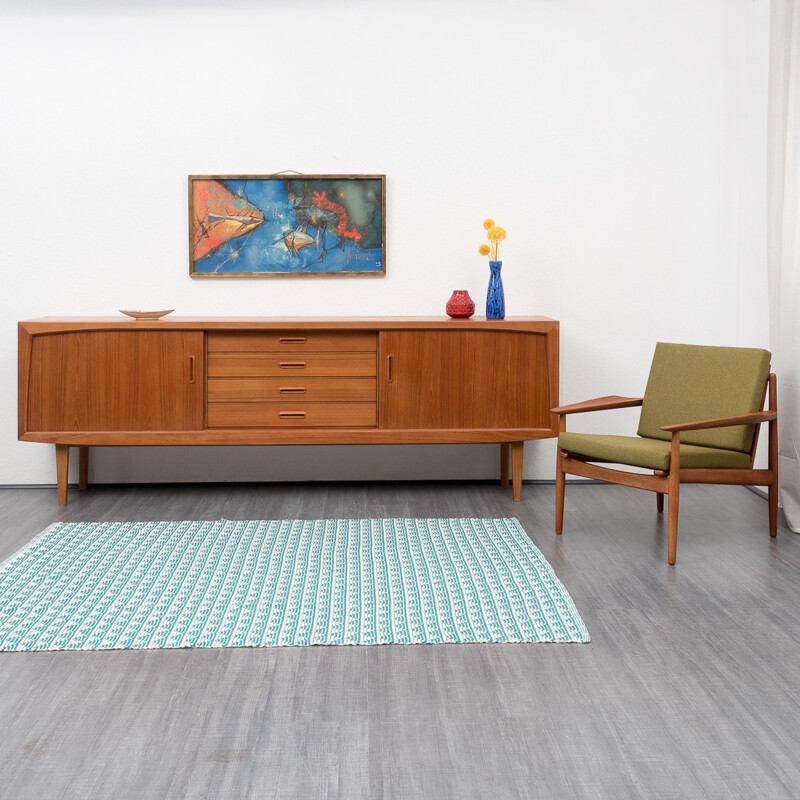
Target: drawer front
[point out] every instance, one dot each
(287, 415)
(294, 341)
(292, 364)
(314, 390)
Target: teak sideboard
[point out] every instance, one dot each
(88, 382)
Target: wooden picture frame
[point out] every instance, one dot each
(261, 226)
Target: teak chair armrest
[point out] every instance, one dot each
(722, 422)
(598, 404)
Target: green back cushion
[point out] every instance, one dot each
(692, 382)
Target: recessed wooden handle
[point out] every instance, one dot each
(292, 340)
(191, 369)
(292, 389)
(389, 376)
(292, 414)
(292, 364)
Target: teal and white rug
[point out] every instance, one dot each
(111, 585)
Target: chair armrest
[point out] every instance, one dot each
(598, 404)
(722, 422)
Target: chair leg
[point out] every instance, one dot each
(672, 526)
(660, 495)
(773, 458)
(773, 510)
(674, 488)
(559, 491)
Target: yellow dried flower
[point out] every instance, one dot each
(496, 234)
(484, 249)
(488, 223)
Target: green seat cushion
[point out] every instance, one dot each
(649, 453)
(688, 383)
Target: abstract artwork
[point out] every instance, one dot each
(278, 225)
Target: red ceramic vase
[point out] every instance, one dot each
(460, 305)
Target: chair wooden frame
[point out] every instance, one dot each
(667, 482)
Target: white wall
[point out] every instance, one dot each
(620, 142)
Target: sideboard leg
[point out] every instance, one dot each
(62, 472)
(517, 449)
(83, 468)
(504, 452)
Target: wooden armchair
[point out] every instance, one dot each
(699, 424)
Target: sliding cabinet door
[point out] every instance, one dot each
(463, 379)
(116, 381)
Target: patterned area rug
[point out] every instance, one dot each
(113, 585)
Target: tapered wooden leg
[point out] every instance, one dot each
(560, 491)
(773, 509)
(504, 452)
(62, 472)
(773, 458)
(659, 495)
(83, 468)
(517, 449)
(674, 487)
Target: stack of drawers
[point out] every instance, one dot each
(307, 379)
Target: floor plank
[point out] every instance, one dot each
(688, 688)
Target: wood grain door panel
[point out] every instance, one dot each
(463, 379)
(116, 381)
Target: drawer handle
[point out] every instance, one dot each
(191, 369)
(292, 389)
(292, 364)
(389, 376)
(292, 414)
(292, 340)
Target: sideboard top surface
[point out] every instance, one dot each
(60, 324)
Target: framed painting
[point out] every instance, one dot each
(279, 225)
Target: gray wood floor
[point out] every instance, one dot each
(689, 688)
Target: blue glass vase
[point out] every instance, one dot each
(495, 299)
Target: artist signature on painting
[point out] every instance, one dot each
(358, 257)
